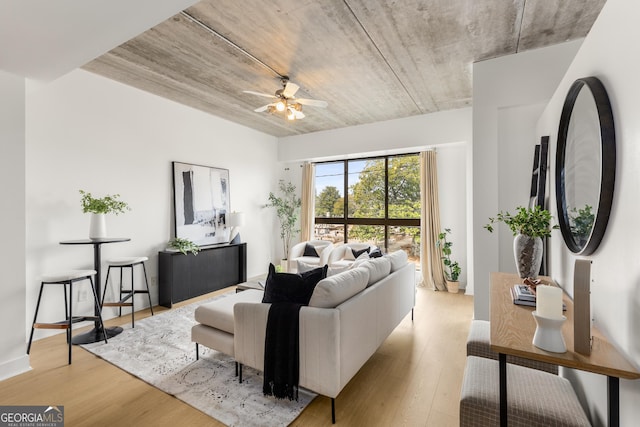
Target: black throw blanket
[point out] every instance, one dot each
(282, 352)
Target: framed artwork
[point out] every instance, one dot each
(539, 176)
(201, 203)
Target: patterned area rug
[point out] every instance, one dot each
(159, 351)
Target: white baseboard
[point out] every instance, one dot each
(14, 367)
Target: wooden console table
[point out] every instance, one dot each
(512, 330)
(181, 277)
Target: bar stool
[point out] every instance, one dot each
(126, 294)
(67, 278)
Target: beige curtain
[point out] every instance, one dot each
(430, 256)
(308, 202)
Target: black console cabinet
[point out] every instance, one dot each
(181, 277)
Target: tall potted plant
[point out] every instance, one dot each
(287, 207)
(452, 268)
(99, 207)
(529, 226)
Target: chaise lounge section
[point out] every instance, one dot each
(349, 315)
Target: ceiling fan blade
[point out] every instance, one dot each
(258, 93)
(298, 114)
(312, 102)
(290, 89)
(263, 108)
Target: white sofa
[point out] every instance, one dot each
(348, 317)
(342, 255)
(322, 247)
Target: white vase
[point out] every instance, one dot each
(527, 251)
(98, 227)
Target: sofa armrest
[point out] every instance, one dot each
(297, 250)
(250, 320)
(326, 252)
(337, 253)
(319, 344)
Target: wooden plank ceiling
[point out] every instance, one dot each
(371, 60)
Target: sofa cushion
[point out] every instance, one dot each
(309, 260)
(398, 260)
(378, 268)
(219, 313)
(310, 251)
(352, 254)
(288, 287)
(333, 291)
(376, 253)
(303, 267)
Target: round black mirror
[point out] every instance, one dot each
(585, 165)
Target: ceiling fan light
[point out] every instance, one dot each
(298, 107)
(291, 115)
(280, 106)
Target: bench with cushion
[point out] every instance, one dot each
(534, 398)
(479, 344)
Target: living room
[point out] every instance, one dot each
(84, 131)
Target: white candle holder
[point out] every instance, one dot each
(548, 334)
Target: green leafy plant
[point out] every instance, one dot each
(184, 245)
(534, 222)
(445, 247)
(581, 221)
(103, 205)
(287, 209)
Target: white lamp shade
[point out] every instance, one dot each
(235, 219)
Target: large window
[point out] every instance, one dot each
(373, 200)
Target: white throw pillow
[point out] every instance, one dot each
(379, 268)
(303, 267)
(334, 290)
(398, 259)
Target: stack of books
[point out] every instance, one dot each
(524, 295)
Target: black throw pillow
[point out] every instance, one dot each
(356, 254)
(309, 250)
(289, 287)
(376, 253)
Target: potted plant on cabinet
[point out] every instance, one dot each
(99, 208)
(452, 268)
(184, 245)
(529, 226)
(287, 210)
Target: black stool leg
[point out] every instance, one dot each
(35, 316)
(97, 307)
(144, 269)
(104, 291)
(70, 282)
(197, 352)
(133, 299)
(67, 312)
(120, 308)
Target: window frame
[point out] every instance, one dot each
(346, 220)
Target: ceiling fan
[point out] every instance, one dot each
(286, 102)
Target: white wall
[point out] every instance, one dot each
(88, 132)
(12, 227)
(516, 142)
(449, 132)
(615, 287)
(392, 136)
(503, 90)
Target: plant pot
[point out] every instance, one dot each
(98, 226)
(284, 265)
(528, 254)
(453, 287)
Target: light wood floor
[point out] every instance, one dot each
(413, 379)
